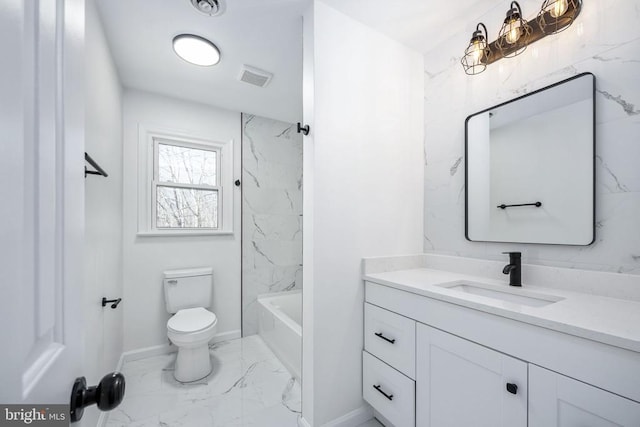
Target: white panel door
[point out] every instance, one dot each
(42, 206)
(559, 401)
(460, 383)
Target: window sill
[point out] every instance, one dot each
(183, 233)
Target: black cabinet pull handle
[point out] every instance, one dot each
(379, 335)
(388, 396)
(512, 388)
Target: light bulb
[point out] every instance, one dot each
(477, 52)
(513, 31)
(559, 8)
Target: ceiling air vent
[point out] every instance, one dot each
(209, 7)
(255, 76)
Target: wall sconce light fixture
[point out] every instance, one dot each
(477, 53)
(558, 15)
(516, 33)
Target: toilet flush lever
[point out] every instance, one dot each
(172, 282)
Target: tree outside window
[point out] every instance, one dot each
(186, 188)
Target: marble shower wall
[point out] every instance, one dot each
(604, 40)
(271, 212)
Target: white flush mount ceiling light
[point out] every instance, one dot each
(196, 50)
(209, 7)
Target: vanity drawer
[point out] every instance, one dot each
(391, 338)
(390, 393)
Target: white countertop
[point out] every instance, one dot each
(608, 320)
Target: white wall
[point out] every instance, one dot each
(605, 41)
(363, 184)
(145, 258)
(308, 218)
(103, 208)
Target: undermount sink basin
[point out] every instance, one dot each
(512, 295)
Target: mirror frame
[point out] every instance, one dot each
(593, 161)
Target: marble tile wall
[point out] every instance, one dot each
(605, 41)
(271, 212)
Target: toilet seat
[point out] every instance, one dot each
(191, 320)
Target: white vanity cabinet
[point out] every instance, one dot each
(390, 392)
(391, 338)
(447, 365)
(388, 364)
(559, 401)
(460, 383)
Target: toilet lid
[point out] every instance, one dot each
(191, 320)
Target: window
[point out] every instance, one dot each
(186, 187)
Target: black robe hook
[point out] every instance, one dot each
(303, 129)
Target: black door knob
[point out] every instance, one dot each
(512, 388)
(107, 395)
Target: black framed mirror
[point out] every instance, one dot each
(530, 167)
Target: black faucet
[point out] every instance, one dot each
(513, 269)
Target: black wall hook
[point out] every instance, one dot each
(107, 395)
(303, 129)
(114, 302)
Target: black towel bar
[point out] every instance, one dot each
(98, 170)
(536, 204)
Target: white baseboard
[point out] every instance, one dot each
(227, 336)
(167, 348)
(120, 363)
(382, 420)
(143, 353)
(353, 418)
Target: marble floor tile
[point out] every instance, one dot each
(248, 387)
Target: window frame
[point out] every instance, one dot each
(148, 181)
(155, 183)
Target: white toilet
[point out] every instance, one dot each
(188, 294)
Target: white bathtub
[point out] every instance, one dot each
(280, 326)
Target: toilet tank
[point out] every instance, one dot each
(188, 288)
